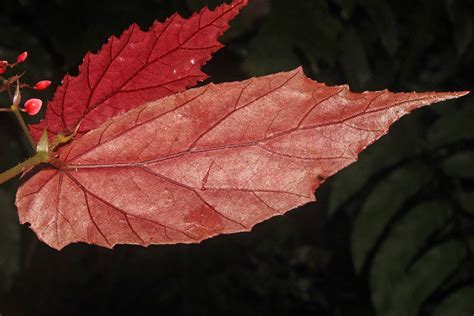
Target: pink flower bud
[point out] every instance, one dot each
(33, 106)
(22, 57)
(41, 85)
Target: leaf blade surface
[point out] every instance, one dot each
(212, 160)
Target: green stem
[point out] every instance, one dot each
(40, 157)
(25, 129)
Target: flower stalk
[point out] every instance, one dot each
(31, 107)
(23, 125)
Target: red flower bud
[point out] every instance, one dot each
(41, 85)
(22, 57)
(3, 66)
(33, 106)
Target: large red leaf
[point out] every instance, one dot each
(209, 161)
(136, 68)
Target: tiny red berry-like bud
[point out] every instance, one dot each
(41, 85)
(22, 57)
(3, 66)
(33, 106)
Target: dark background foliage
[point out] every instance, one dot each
(391, 235)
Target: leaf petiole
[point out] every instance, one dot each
(38, 158)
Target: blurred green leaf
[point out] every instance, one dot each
(292, 29)
(454, 126)
(385, 22)
(405, 239)
(422, 278)
(354, 60)
(458, 303)
(460, 165)
(460, 14)
(466, 199)
(384, 201)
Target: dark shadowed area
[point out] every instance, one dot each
(392, 234)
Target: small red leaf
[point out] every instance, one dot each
(208, 161)
(136, 68)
